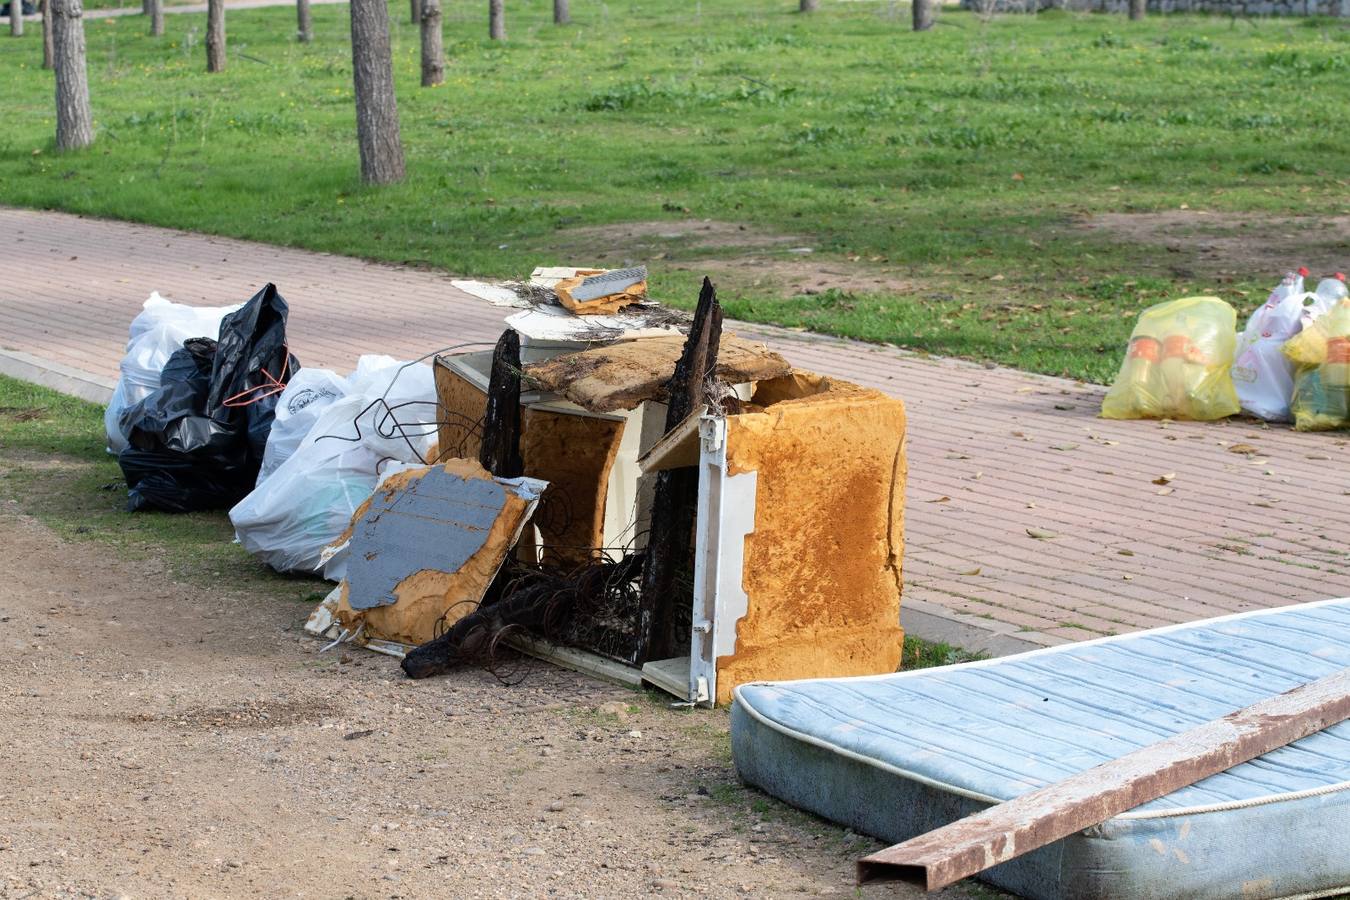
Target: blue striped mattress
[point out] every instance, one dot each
(898, 755)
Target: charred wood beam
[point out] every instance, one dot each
(500, 451)
(669, 543)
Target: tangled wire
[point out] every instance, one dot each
(532, 601)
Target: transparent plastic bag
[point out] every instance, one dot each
(306, 503)
(307, 395)
(1178, 362)
(1262, 374)
(1321, 353)
(157, 332)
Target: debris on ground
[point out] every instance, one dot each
(426, 546)
(1099, 746)
(197, 442)
(1178, 364)
(631, 491)
(628, 567)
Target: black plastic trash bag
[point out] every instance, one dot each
(198, 441)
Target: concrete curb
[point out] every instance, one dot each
(34, 369)
(930, 622)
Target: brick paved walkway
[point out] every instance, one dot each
(993, 452)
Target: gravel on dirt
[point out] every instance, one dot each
(165, 739)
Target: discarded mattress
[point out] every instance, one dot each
(895, 756)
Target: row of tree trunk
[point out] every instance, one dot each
(377, 128)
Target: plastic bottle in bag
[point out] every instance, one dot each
(1193, 340)
(1330, 291)
(1263, 376)
(1321, 399)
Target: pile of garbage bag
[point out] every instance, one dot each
(157, 332)
(1321, 354)
(331, 439)
(196, 441)
(1184, 362)
(1177, 364)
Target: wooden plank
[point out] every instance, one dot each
(973, 844)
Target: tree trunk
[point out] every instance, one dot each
(415, 11)
(809, 6)
(376, 108)
(215, 35)
(923, 14)
(145, 7)
(496, 20)
(74, 123)
(433, 56)
(1137, 9)
(156, 18)
(562, 14)
(304, 23)
(16, 18)
(47, 34)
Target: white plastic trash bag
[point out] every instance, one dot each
(309, 392)
(308, 500)
(159, 329)
(1263, 376)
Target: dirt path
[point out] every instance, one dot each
(166, 742)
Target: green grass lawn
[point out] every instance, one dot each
(941, 180)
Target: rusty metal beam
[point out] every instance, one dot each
(973, 844)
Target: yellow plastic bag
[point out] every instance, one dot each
(1321, 351)
(1176, 366)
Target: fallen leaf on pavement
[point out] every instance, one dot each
(1041, 534)
(1247, 449)
(1165, 479)
(943, 499)
(974, 571)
